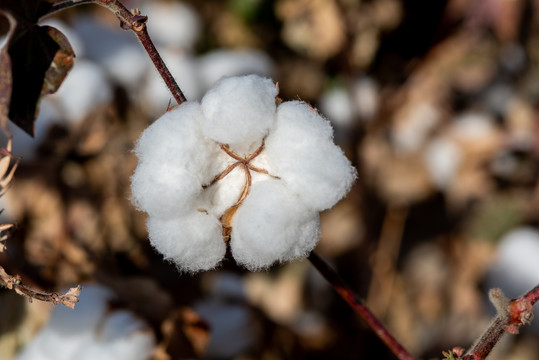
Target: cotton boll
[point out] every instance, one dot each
(92, 331)
(193, 241)
(337, 105)
(365, 94)
(413, 126)
(233, 329)
(183, 68)
(272, 225)
(175, 138)
(172, 24)
(472, 127)
(93, 302)
(302, 153)
(218, 63)
(121, 336)
(85, 88)
(239, 109)
(226, 192)
(164, 190)
(442, 158)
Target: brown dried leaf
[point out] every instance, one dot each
(70, 298)
(5, 75)
(34, 62)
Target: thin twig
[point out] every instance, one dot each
(357, 305)
(132, 20)
(511, 314)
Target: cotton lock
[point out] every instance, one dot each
(238, 169)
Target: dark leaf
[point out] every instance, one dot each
(39, 58)
(5, 75)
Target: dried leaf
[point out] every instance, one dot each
(70, 298)
(35, 61)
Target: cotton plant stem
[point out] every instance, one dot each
(357, 305)
(385, 258)
(511, 314)
(69, 299)
(132, 20)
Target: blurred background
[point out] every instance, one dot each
(434, 102)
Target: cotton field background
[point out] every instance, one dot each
(435, 103)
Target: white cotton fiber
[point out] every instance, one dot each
(226, 192)
(442, 158)
(193, 242)
(173, 24)
(175, 138)
(85, 88)
(187, 179)
(218, 63)
(239, 109)
(337, 105)
(302, 152)
(272, 225)
(92, 331)
(164, 190)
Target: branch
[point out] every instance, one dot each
(511, 314)
(68, 299)
(132, 20)
(357, 305)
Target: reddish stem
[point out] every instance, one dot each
(136, 22)
(511, 315)
(357, 305)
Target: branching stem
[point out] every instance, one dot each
(511, 314)
(357, 305)
(132, 20)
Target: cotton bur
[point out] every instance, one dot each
(239, 168)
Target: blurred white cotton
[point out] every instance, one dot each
(516, 269)
(91, 331)
(84, 89)
(442, 157)
(218, 63)
(337, 105)
(174, 24)
(118, 52)
(238, 167)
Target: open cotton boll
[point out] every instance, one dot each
(84, 89)
(175, 138)
(193, 241)
(226, 192)
(93, 331)
(173, 24)
(164, 190)
(218, 63)
(337, 105)
(302, 152)
(442, 157)
(239, 109)
(121, 336)
(272, 225)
